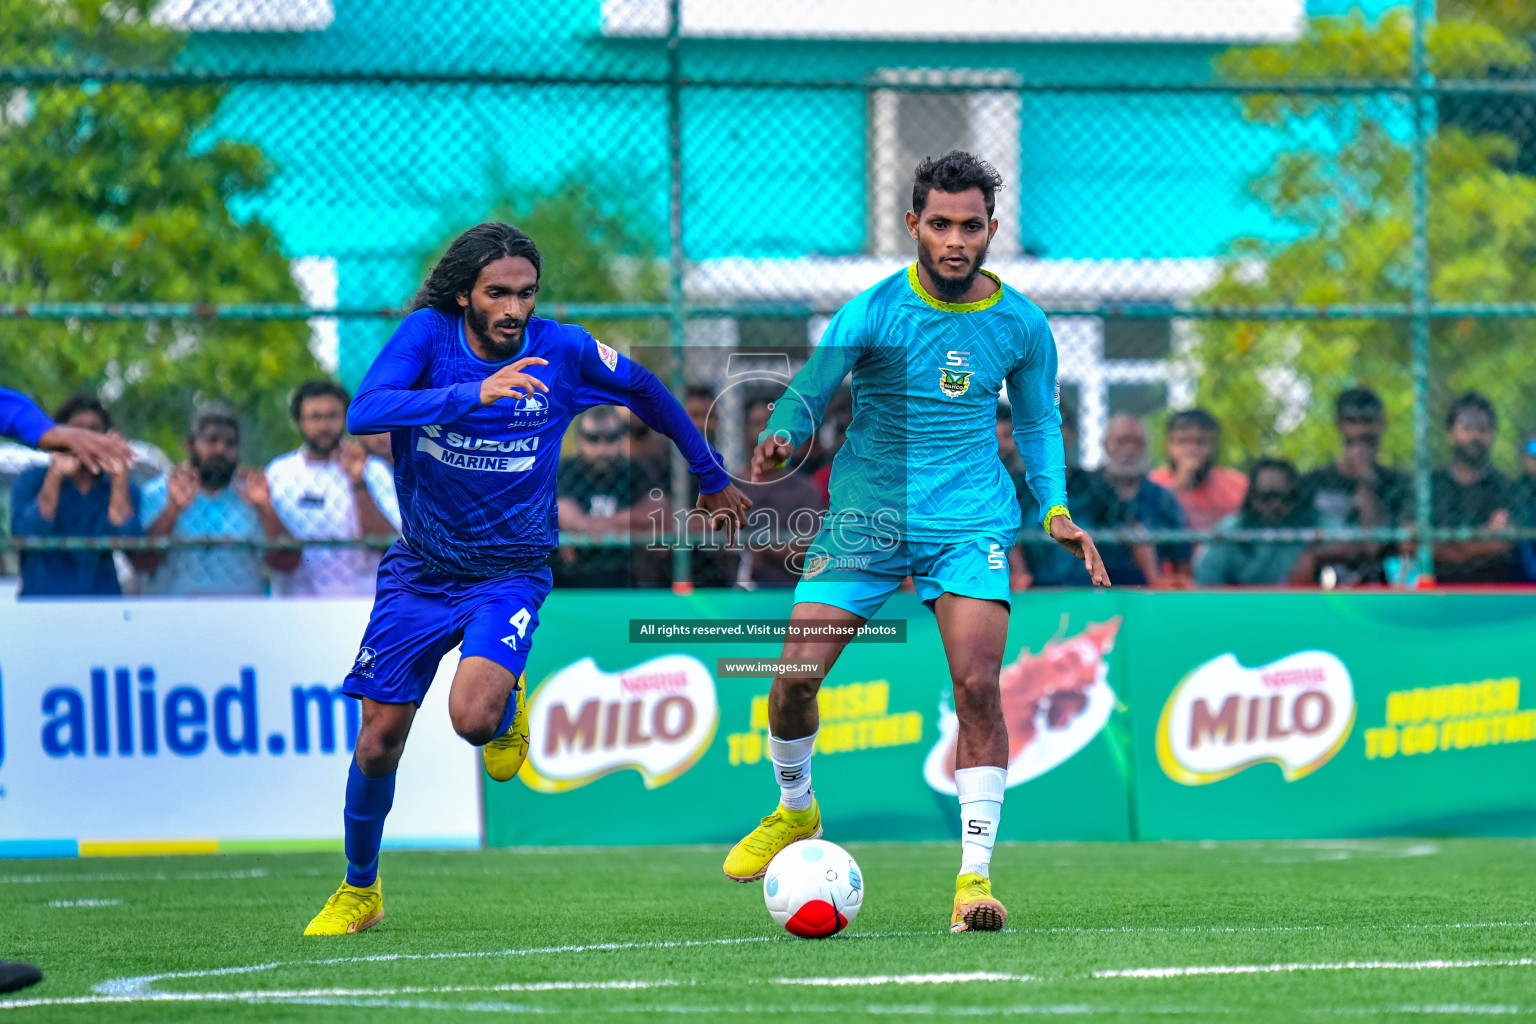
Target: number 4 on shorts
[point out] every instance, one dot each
(520, 623)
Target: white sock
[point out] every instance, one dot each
(981, 808)
(792, 768)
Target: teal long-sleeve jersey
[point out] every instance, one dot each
(920, 460)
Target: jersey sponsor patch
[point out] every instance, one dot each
(466, 460)
(954, 383)
(609, 357)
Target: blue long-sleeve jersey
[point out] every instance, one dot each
(476, 483)
(21, 418)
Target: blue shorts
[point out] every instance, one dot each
(858, 573)
(420, 615)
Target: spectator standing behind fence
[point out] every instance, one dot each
(1122, 495)
(1273, 501)
(65, 499)
(1207, 493)
(323, 490)
(601, 492)
(210, 497)
(1357, 490)
(1470, 492)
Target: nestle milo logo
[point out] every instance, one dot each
(656, 718)
(1223, 717)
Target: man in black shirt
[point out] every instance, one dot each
(1470, 492)
(601, 493)
(1357, 490)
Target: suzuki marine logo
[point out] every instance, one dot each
(656, 718)
(1222, 718)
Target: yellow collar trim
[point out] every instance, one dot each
(954, 307)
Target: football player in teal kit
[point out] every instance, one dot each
(918, 489)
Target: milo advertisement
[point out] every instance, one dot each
(1321, 715)
(1131, 715)
(637, 738)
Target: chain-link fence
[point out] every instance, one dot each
(1311, 221)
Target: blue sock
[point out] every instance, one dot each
(508, 714)
(368, 802)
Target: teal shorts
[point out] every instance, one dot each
(858, 573)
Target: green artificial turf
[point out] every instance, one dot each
(461, 924)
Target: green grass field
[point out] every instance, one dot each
(1379, 930)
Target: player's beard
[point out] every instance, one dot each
(952, 288)
(1472, 453)
(481, 325)
(324, 446)
(214, 474)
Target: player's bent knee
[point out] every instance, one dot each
(476, 725)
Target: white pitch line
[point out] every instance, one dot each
(159, 876)
(1201, 929)
(905, 979)
(85, 903)
(288, 995)
(140, 984)
(1346, 965)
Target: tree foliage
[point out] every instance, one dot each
(1342, 186)
(117, 193)
(595, 248)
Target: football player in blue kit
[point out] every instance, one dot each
(476, 393)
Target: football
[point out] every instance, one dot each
(813, 889)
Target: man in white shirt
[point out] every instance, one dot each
(325, 490)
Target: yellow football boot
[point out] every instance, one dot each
(505, 754)
(975, 909)
(350, 910)
(748, 859)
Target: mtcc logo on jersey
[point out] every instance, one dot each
(534, 407)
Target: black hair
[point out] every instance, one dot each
(458, 270)
(954, 172)
(1299, 515)
(1474, 401)
(215, 415)
(1004, 412)
(82, 402)
(699, 391)
(1357, 399)
(1198, 418)
(317, 387)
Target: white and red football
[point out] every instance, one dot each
(813, 889)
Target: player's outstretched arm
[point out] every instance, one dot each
(609, 377)
(1076, 540)
(21, 418)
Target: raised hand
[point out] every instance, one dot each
(257, 491)
(1076, 540)
(512, 382)
(354, 460)
(97, 452)
(181, 486)
(63, 464)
